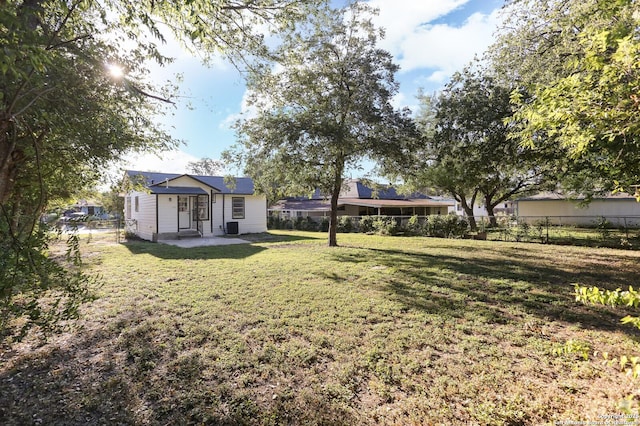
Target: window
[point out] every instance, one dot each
(137, 204)
(183, 204)
(128, 204)
(237, 207)
(203, 207)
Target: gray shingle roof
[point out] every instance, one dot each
(178, 190)
(243, 185)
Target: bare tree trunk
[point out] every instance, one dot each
(472, 220)
(335, 194)
(468, 210)
(333, 219)
(10, 157)
(492, 217)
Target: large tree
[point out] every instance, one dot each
(63, 117)
(206, 166)
(467, 152)
(323, 108)
(576, 64)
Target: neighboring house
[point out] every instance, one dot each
(360, 200)
(167, 205)
(89, 207)
(505, 208)
(619, 209)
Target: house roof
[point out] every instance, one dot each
(378, 203)
(324, 205)
(178, 190)
(242, 185)
(558, 196)
(355, 188)
(358, 194)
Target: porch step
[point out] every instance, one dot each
(191, 233)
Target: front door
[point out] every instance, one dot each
(184, 214)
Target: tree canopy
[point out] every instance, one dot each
(323, 108)
(63, 117)
(467, 152)
(577, 67)
(206, 167)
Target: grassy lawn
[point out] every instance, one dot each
(382, 330)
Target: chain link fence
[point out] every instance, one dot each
(594, 231)
(108, 228)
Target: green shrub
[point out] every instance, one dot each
(366, 224)
(449, 226)
(311, 225)
(630, 298)
(414, 227)
(274, 222)
(457, 226)
(300, 223)
(385, 225)
(522, 232)
(345, 224)
(324, 224)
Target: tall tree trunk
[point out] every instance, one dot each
(492, 216)
(333, 219)
(335, 194)
(472, 220)
(468, 210)
(9, 156)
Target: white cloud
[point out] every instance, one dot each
(398, 20)
(246, 112)
(174, 161)
(416, 44)
(447, 48)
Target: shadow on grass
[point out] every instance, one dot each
(231, 251)
(499, 287)
(269, 237)
(165, 251)
(133, 370)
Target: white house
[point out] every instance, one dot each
(167, 205)
(620, 209)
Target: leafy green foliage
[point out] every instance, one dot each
(345, 224)
(618, 297)
(574, 348)
(385, 225)
(40, 289)
(577, 62)
(63, 118)
(467, 152)
(324, 108)
(206, 167)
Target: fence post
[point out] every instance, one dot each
(547, 221)
(626, 229)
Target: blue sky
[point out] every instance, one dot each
(429, 39)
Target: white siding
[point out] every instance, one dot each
(568, 212)
(216, 214)
(145, 217)
(143, 222)
(255, 214)
(167, 213)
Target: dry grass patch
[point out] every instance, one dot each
(285, 330)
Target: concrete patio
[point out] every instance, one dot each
(203, 242)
